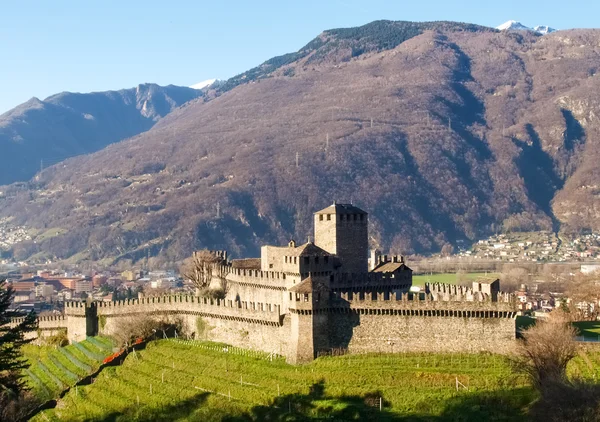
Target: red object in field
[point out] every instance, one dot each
(138, 340)
(113, 356)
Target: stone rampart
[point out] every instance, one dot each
(371, 281)
(259, 279)
(47, 325)
(262, 313)
(386, 322)
(253, 325)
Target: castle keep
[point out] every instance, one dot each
(323, 297)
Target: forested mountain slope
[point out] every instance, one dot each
(447, 133)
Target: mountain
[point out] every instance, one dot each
(543, 29)
(513, 26)
(204, 84)
(441, 131)
(38, 133)
(518, 26)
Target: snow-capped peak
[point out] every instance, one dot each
(518, 26)
(513, 26)
(204, 84)
(544, 29)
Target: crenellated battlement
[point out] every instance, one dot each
(194, 305)
(459, 304)
(373, 280)
(46, 322)
(275, 280)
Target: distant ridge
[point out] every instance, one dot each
(37, 134)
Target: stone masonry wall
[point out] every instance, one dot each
(411, 323)
(365, 333)
(253, 325)
(47, 326)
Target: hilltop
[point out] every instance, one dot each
(441, 131)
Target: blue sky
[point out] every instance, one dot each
(59, 45)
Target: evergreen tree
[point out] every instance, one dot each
(11, 340)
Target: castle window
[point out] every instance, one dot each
(286, 259)
(291, 295)
(341, 217)
(354, 217)
(306, 297)
(295, 262)
(361, 217)
(270, 265)
(328, 217)
(306, 260)
(326, 259)
(316, 259)
(320, 217)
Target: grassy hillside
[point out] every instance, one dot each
(54, 369)
(173, 380)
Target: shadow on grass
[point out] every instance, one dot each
(180, 410)
(589, 329)
(505, 405)
(317, 405)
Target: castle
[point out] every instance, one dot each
(322, 297)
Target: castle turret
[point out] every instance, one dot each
(342, 230)
(309, 323)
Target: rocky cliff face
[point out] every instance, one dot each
(38, 134)
(447, 133)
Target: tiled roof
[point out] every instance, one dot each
(308, 249)
(246, 264)
(306, 286)
(341, 209)
(388, 267)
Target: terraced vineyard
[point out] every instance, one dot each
(171, 380)
(175, 380)
(54, 369)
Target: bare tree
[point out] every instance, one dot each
(447, 249)
(543, 355)
(545, 350)
(133, 327)
(584, 294)
(199, 269)
(144, 326)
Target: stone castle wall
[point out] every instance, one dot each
(301, 326)
(47, 325)
(248, 324)
(419, 323)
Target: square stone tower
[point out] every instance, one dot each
(343, 230)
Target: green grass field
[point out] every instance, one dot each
(449, 278)
(53, 369)
(589, 329)
(172, 380)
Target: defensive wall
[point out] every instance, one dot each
(365, 323)
(47, 325)
(254, 325)
(303, 325)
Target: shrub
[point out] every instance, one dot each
(59, 339)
